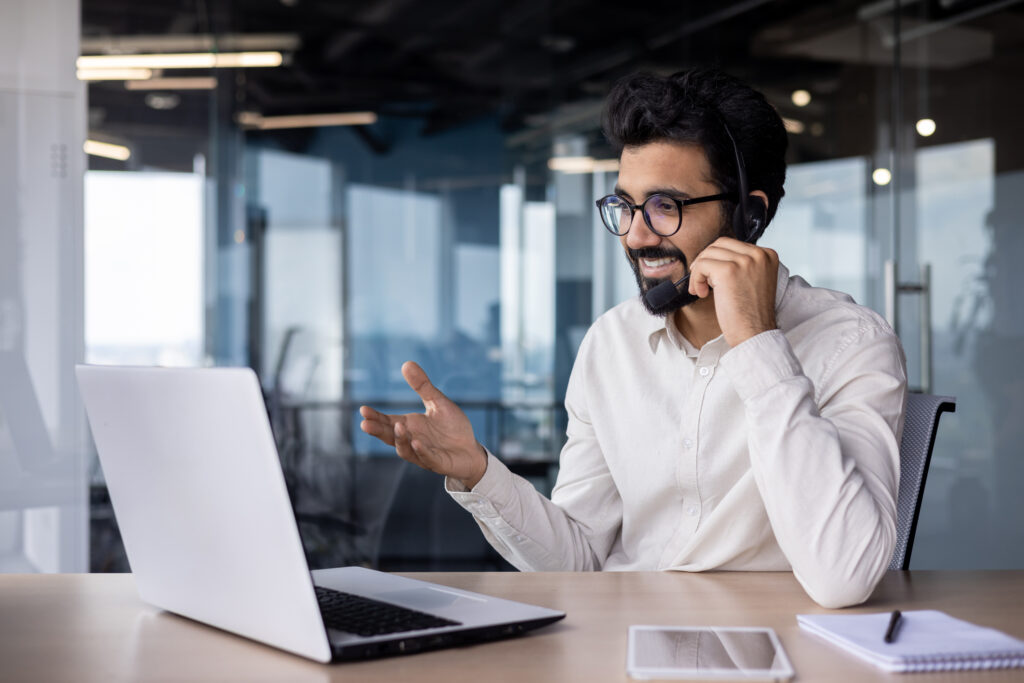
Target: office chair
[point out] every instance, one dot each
(919, 426)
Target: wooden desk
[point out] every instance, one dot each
(94, 628)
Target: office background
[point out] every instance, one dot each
(441, 210)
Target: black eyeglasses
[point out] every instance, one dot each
(662, 213)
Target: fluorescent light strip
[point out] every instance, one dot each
(173, 84)
(354, 118)
(107, 150)
(89, 74)
(572, 165)
(230, 42)
(195, 60)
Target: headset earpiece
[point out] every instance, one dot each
(751, 215)
(740, 224)
(757, 219)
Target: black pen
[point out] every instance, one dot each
(894, 624)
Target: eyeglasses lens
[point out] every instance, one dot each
(616, 214)
(662, 214)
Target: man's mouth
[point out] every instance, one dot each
(657, 267)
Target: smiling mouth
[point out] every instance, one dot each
(658, 268)
(657, 263)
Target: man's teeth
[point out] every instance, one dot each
(657, 263)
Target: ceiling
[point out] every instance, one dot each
(539, 66)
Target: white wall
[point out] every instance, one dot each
(43, 501)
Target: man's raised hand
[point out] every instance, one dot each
(439, 439)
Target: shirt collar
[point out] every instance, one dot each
(655, 328)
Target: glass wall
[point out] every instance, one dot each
(43, 502)
(963, 173)
(455, 226)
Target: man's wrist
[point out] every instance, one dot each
(474, 479)
(752, 332)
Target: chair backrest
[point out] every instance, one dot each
(919, 426)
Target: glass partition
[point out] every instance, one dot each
(455, 226)
(961, 234)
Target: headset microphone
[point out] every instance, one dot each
(660, 295)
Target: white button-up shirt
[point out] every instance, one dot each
(781, 453)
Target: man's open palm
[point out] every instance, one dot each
(440, 439)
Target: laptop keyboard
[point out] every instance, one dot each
(366, 617)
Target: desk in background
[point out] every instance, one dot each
(93, 627)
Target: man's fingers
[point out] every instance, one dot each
(704, 274)
(723, 247)
(402, 446)
(420, 383)
(383, 432)
(372, 415)
(378, 424)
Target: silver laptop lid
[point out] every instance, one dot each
(174, 445)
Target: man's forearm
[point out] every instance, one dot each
(829, 482)
(525, 527)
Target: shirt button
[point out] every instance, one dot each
(692, 510)
(705, 371)
(688, 443)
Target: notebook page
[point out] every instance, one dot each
(926, 639)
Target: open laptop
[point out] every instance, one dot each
(200, 499)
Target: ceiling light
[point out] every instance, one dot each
(925, 127)
(194, 60)
(162, 101)
(107, 150)
(353, 118)
(801, 98)
(583, 165)
(190, 42)
(793, 125)
(571, 164)
(202, 83)
(881, 176)
(606, 166)
(114, 74)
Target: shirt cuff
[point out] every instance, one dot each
(760, 363)
(494, 488)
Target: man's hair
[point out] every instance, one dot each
(690, 107)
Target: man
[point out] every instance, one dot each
(748, 422)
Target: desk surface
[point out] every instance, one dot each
(94, 628)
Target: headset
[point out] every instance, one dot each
(748, 223)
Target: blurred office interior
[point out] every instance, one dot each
(333, 187)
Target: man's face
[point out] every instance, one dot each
(681, 171)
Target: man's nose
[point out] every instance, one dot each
(640, 234)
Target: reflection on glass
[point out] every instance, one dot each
(954, 201)
(708, 650)
(302, 271)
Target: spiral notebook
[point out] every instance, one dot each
(927, 640)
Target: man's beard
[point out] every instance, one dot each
(646, 284)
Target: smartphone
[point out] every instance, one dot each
(724, 653)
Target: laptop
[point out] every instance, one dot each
(200, 499)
